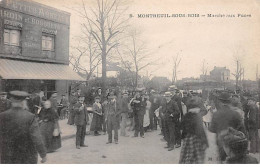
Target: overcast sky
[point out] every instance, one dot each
(214, 39)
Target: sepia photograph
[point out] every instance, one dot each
(129, 82)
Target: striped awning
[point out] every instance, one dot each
(13, 69)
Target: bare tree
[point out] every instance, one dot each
(136, 58)
(204, 69)
(85, 48)
(75, 58)
(239, 71)
(105, 23)
(176, 62)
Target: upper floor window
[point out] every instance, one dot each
(47, 43)
(12, 37)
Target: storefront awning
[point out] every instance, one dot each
(13, 69)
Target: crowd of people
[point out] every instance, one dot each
(182, 117)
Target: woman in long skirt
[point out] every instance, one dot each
(146, 122)
(96, 124)
(49, 127)
(194, 137)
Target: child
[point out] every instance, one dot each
(97, 117)
(235, 145)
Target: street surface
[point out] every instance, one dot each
(148, 150)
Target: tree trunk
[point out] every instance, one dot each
(237, 77)
(136, 78)
(259, 89)
(104, 71)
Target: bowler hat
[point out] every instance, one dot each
(225, 97)
(18, 95)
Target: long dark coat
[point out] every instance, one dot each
(113, 115)
(49, 117)
(81, 116)
(225, 117)
(20, 137)
(72, 113)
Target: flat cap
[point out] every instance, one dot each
(18, 95)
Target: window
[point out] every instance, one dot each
(12, 37)
(48, 43)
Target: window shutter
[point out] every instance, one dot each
(6, 36)
(15, 37)
(43, 43)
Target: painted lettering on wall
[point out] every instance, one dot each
(13, 23)
(37, 10)
(11, 15)
(27, 19)
(31, 45)
(42, 23)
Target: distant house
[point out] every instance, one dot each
(113, 69)
(220, 74)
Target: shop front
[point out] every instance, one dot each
(34, 77)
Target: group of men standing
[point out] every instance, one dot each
(169, 109)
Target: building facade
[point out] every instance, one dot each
(34, 47)
(220, 74)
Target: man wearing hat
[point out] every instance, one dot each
(81, 118)
(73, 101)
(20, 137)
(225, 117)
(4, 102)
(112, 118)
(154, 106)
(64, 106)
(172, 113)
(253, 125)
(138, 106)
(177, 98)
(124, 113)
